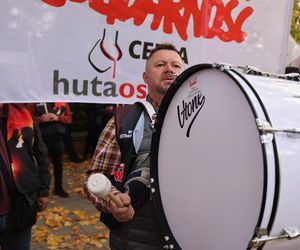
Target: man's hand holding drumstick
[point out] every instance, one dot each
(120, 203)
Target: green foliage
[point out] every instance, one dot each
(295, 24)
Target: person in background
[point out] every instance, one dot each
(24, 176)
(123, 155)
(68, 142)
(97, 116)
(69, 145)
(52, 119)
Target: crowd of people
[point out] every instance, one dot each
(32, 134)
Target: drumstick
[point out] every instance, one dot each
(99, 185)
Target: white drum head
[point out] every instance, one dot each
(209, 183)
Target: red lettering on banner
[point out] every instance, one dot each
(60, 3)
(178, 15)
(55, 3)
(126, 93)
(142, 90)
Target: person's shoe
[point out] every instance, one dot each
(61, 192)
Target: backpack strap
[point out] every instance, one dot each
(149, 108)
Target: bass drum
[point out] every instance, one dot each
(226, 161)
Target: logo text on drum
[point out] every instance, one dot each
(189, 111)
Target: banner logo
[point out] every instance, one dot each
(100, 48)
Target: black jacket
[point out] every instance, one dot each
(27, 151)
(143, 231)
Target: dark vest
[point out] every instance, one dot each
(143, 232)
(126, 119)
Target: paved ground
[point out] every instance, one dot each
(71, 223)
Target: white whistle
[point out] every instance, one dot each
(99, 185)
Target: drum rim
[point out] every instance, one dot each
(276, 157)
(170, 238)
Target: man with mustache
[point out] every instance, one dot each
(123, 155)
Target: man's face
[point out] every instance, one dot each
(160, 70)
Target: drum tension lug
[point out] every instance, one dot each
(262, 236)
(222, 66)
(267, 130)
(262, 126)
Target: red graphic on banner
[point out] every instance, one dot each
(179, 15)
(107, 54)
(60, 3)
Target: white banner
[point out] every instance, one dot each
(95, 51)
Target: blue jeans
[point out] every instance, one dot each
(13, 240)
